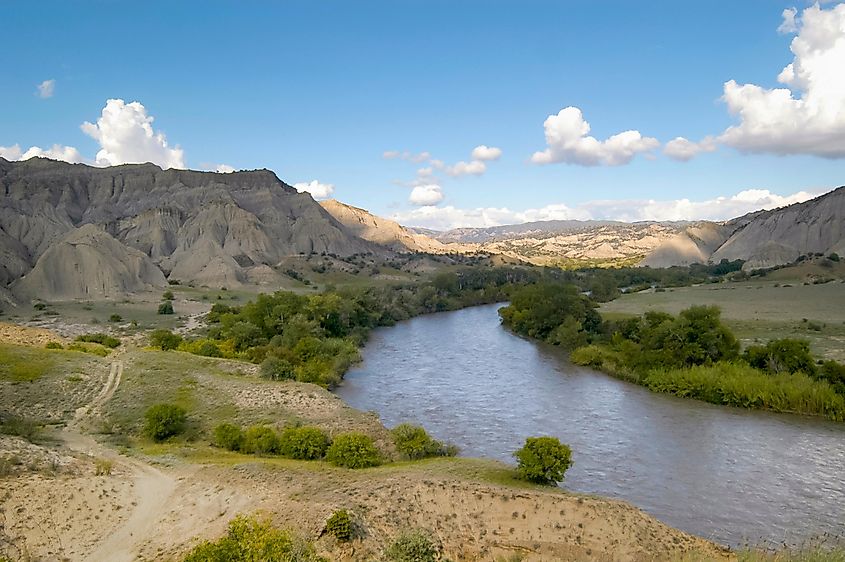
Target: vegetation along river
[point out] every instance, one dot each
(723, 473)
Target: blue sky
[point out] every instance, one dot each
(321, 90)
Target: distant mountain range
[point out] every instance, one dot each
(73, 231)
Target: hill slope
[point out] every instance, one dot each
(204, 227)
(763, 238)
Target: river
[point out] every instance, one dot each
(727, 474)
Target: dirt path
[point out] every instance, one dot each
(152, 487)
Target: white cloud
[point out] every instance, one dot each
(683, 149)
(484, 152)
(719, 208)
(224, 169)
(789, 25)
(126, 136)
(55, 152)
(567, 140)
(316, 189)
(46, 89)
(406, 155)
(426, 195)
(774, 120)
(474, 168)
(10, 153)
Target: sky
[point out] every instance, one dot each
(447, 113)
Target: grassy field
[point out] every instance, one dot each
(757, 311)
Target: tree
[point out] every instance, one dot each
(782, 356)
(165, 308)
(164, 420)
(165, 339)
(543, 460)
(353, 450)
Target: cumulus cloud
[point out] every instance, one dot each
(568, 142)
(224, 169)
(426, 195)
(55, 152)
(46, 89)
(684, 150)
(126, 136)
(812, 119)
(719, 208)
(483, 152)
(406, 155)
(473, 168)
(789, 24)
(317, 189)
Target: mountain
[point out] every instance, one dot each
(74, 231)
(763, 238)
(386, 232)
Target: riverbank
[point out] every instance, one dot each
(474, 508)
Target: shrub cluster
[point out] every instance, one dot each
(102, 339)
(249, 538)
(414, 443)
(353, 450)
(301, 443)
(412, 546)
(165, 340)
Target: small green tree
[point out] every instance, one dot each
(228, 436)
(543, 460)
(165, 339)
(353, 450)
(304, 443)
(165, 308)
(164, 420)
(339, 525)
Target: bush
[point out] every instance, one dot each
(260, 440)
(228, 436)
(102, 339)
(304, 443)
(165, 340)
(412, 546)
(414, 443)
(54, 345)
(782, 356)
(165, 308)
(168, 296)
(249, 539)
(543, 460)
(164, 420)
(276, 369)
(115, 318)
(353, 450)
(339, 525)
(103, 467)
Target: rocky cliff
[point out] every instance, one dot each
(74, 231)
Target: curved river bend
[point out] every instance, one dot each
(723, 473)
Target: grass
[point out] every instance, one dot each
(25, 364)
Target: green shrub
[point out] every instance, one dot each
(260, 440)
(353, 450)
(168, 296)
(250, 540)
(414, 443)
(834, 374)
(54, 345)
(782, 356)
(100, 338)
(21, 427)
(339, 525)
(276, 369)
(304, 443)
(543, 460)
(115, 318)
(165, 340)
(412, 546)
(165, 308)
(208, 348)
(746, 387)
(164, 420)
(229, 436)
